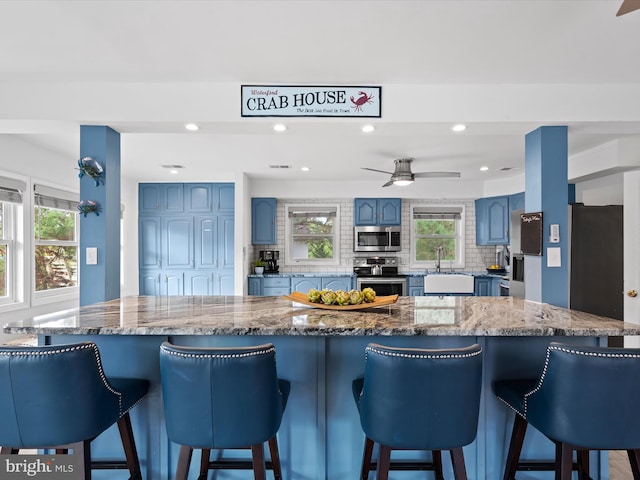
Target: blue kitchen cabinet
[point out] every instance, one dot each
(416, 286)
(188, 254)
(198, 197)
(377, 211)
(263, 221)
(337, 283)
(304, 284)
(254, 286)
(276, 286)
(492, 220)
(486, 286)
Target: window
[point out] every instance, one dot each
(10, 203)
(312, 234)
(435, 228)
(55, 230)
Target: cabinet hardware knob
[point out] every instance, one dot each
(632, 293)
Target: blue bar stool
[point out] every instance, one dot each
(223, 398)
(586, 398)
(406, 402)
(58, 396)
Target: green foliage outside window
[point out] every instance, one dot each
(316, 233)
(431, 234)
(55, 265)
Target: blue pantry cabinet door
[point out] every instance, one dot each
(198, 283)
(263, 221)
(226, 250)
(224, 198)
(206, 242)
(173, 283)
(150, 282)
(198, 197)
(172, 197)
(149, 198)
(149, 232)
(224, 283)
(177, 251)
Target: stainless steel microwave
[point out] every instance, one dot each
(376, 239)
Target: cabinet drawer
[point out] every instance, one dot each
(416, 281)
(276, 282)
(275, 291)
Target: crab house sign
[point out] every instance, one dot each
(310, 101)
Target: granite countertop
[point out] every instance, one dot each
(254, 315)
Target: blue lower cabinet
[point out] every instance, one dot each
(304, 284)
(276, 286)
(198, 283)
(416, 286)
(337, 283)
(487, 286)
(254, 286)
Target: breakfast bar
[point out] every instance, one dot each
(320, 352)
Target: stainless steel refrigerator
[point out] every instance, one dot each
(596, 259)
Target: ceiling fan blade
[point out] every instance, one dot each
(388, 184)
(374, 170)
(628, 6)
(437, 175)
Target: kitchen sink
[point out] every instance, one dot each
(449, 283)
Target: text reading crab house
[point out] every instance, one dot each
(310, 101)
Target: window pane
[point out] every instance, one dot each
(426, 248)
(55, 267)
(312, 225)
(312, 247)
(435, 227)
(52, 224)
(3, 270)
(1, 220)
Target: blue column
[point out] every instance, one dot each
(546, 187)
(101, 282)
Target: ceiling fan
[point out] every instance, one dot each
(628, 6)
(404, 176)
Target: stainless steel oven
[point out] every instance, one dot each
(379, 273)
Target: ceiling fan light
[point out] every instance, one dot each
(402, 183)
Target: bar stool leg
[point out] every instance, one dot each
(564, 461)
(515, 447)
(275, 458)
(129, 446)
(204, 463)
(583, 464)
(384, 462)
(366, 458)
(8, 450)
(184, 459)
(436, 456)
(257, 456)
(634, 460)
(457, 459)
(82, 450)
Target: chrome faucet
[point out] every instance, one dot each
(439, 252)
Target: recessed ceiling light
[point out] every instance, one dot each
(173, 171)
(484, 169)
(460, 127)
(305, 169)
(368, 128)
(192, 127)
(279, 127)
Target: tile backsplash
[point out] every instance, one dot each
(477, 258)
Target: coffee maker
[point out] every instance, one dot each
(270, 258)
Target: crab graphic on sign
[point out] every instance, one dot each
(363, 99)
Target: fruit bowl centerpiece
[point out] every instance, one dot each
(341, 299)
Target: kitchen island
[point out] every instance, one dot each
(321, 352)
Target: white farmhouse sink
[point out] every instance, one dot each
(448, 283)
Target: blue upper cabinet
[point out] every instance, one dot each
(263, 221)
(516, 201)
(198, 196)
(377, 211)
(492, 221)
(224, 198)
(173, 198)
(160, 198)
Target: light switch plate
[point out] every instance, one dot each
(92, 255)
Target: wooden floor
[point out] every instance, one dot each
(619, 468)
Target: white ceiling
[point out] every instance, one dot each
(506, 67)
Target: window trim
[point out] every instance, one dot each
(447, 209)
(288, 240)
(9, 233)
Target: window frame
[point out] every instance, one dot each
(61, 293)
(289, 235)
(459, 261)
(8, 239)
